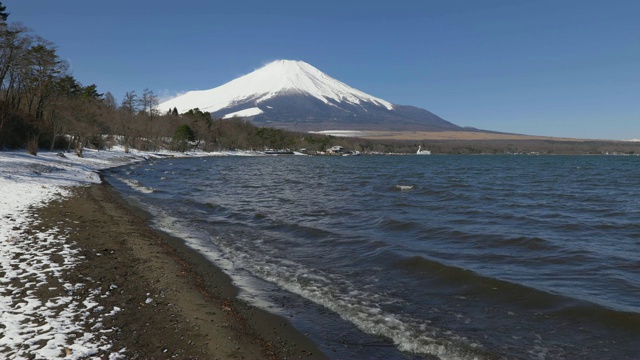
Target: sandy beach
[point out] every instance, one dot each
(169, 302)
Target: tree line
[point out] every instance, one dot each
(43, 106)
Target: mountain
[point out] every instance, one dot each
(297, 96)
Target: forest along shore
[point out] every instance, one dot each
(172, 302)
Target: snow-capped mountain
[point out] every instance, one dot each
(296, 95)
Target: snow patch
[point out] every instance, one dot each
(341, 133)
(245, 113)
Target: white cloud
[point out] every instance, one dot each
(166, 95)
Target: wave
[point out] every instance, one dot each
(388, 223)
(463, 282)
(202, 204)
(135, 185)
(363, 308)
(530, 243)
(403, 187)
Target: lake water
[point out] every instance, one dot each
(409, 257)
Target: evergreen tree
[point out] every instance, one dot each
(182, 136)
(3, 12)
(174, 112)
(68, 86)
(91, 92)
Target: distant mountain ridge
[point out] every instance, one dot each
(297, 96)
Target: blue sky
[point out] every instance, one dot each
(558, 68)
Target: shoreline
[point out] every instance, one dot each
(172, 301)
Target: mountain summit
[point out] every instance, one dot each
(295, 95)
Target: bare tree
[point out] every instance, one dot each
(110, 101)
(130, 102)
(149, 102)
(83, 117)
(5, 114)
(15, 40)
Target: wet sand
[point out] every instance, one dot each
(174, 303)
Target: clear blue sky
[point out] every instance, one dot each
(549, 67)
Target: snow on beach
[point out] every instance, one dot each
(34, 261)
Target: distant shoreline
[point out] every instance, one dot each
(460, 135)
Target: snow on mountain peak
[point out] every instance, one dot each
(276, 78)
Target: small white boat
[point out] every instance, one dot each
(422, 152)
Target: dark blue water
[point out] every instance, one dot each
(452, 257)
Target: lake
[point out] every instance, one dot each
(409, 257)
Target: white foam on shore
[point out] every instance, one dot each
(363, 308)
